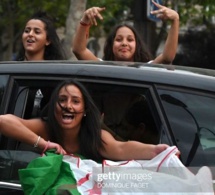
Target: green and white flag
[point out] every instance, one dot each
(55, 174)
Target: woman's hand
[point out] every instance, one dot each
(52, 145)
(164, 13)
(92, 14)
(161, 147)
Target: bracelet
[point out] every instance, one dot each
(36, 143)
(84, 23)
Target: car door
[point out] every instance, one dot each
(22, 97)
(129, 111)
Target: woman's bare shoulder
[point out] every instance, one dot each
(37, 125)
(105, 132)
(107, 136)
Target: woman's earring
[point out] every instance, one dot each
(85, 114)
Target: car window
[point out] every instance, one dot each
(125, 112)
(3, 83)
(26, 102)
(191, 117)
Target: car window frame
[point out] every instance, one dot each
(17, 81)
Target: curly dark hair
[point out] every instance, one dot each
(141, 54)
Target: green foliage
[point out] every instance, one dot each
(197, 12)
(20, 10)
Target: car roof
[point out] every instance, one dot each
(141, 72)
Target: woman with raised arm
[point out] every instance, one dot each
(124, 43)
(73, 126)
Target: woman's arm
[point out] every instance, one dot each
(117, 150)
(171, 43)
(82, 33)
(27, 131)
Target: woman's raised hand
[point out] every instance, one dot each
(164, 13)
(92, 14)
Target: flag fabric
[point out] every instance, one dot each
(71, 174)
(48, 175)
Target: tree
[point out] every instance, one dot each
(75, 13)
(197, 43)
(196, 12)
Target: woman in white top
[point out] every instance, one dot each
(124, 43)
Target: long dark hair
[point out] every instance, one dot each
(53, 51)
(90, 132)
(141, 54)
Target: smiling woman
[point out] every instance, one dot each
(70, 108)
(73, 125)
(40, 40)
(126, 38)
(124, 43)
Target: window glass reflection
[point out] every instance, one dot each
(191, 118)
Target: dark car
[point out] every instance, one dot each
(145, 102)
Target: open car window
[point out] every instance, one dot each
(127, 112)
(3, 84)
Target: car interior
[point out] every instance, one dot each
(125, 112)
